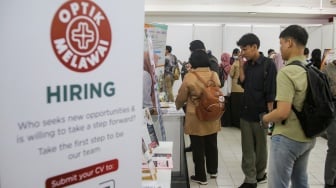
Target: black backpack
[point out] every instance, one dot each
(318, 107)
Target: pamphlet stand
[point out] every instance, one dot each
(163, 176)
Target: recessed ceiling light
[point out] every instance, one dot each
(252, 12)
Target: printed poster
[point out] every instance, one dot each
(158, 35)
(67, 109)
(329, 55)
(149, 48)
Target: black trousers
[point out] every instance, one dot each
(205, 155)
(235, 102)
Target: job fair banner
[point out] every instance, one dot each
(71, 111)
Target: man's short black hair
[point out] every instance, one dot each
(199, 58)
(249, 39)
(316, 54)
(196, 45)
(270, 51)
(169, 48)
(296, 32)
(235, 51)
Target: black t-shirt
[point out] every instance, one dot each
(213, 63)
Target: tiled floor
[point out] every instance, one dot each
(230, 174)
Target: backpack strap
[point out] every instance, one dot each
(300, 64)
(202, 80)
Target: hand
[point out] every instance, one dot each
(241, 61)
(262, 123)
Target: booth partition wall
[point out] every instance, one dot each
(221, 38)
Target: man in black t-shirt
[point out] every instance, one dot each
(199, 45)
(257, 76)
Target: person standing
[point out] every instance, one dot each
(225, 68)
(270, 53)
(185, 69)
(235, 54)
(199, 45)
(236, 93)
(203, 134)
(196, 45)
(330, 163)
(257, 77)
(316, 58)
(170, 63)
(290, 148)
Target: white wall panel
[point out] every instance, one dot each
(268, 36)
(231, 34)
(211, 36)
(179, 37)
(327, 36)
(314, 39)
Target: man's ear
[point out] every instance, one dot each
(290, 42)
(255, 47)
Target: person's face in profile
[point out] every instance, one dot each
(248, 51)
(285, 45)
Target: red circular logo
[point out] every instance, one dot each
(81, 35)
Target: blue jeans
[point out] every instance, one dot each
(330, 163)
(288, 162)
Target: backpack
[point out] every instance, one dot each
(211, 102)
(318, 108)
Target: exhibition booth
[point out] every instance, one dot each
(72, 100)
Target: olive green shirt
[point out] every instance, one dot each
(291, 87)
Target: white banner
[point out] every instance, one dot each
(70, 109)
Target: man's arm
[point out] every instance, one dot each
(280, 113)
(270, 83)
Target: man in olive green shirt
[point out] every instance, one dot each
(290, 148)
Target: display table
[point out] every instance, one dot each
(163, 175)
(173, 123)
